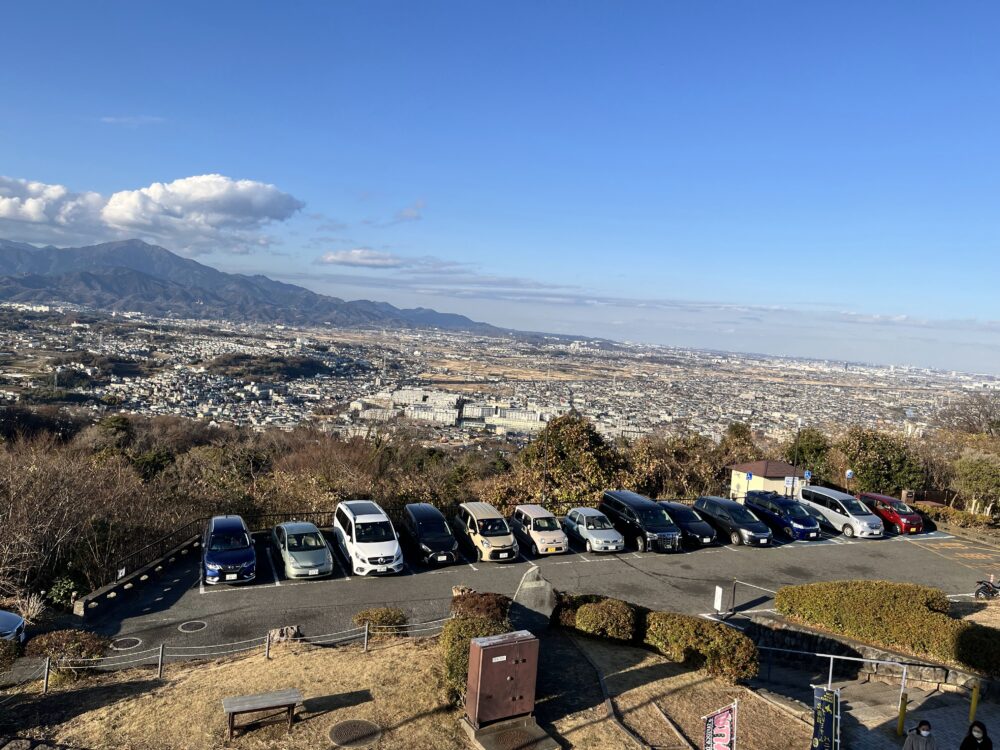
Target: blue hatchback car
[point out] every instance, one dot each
(227, 551)
(783, 514)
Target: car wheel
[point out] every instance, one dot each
(735, 537)
(479, 555)
(640, 544)
(789, 533)
(899, 528)
(589, 547)
(848, 530)
(534, 550)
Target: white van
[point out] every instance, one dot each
(365, 535)
(842, 511)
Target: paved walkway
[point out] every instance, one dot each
(869, 709)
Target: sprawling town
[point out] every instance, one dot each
(457, 385)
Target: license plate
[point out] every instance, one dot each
(313, 572)
(502, 555)
(706, 540)
(812, 535)
(442, 558)
(550, 549)
(913, 531)
(381, 569)
(763, 541)
(230, 576)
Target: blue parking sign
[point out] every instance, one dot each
(807, 474)
(749, 476)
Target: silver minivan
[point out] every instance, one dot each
(842, 511)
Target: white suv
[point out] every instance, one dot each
(365, 535)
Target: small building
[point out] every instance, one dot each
(768, 476)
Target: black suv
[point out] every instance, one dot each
(640, 521)
(425, 533)
(734, 521)
(695, 531)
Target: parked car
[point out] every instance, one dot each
(783, 514)
(842, 512)
(424, 531)
(695, 530)
(227, 553)
(593, 530)
(640, 520)
(538, 530)
(487, 531)
(367, 538)
(894, 513)
(302, 550)
(11, 627)
(733, 521)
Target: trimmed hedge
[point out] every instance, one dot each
(481, 604)
(608, 618)
(961, 519)
(376, 617)
(720, 650)
(897, 616)
(567, 605)
(9, 651)
(455, 637)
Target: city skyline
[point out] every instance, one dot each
(799, 182)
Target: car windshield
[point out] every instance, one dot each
(598, 522)
(742, 515)
(308, 541)
(794, 510)
(900, 507)
(654, 518)
(545, 524)
(226, 542)
(493, 527)
(434, 529)
(855, 508)
(375, 531)
(685, 515)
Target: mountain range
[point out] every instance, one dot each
(132, 275)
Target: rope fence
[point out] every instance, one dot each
(158, 656)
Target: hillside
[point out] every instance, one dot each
(132, 275)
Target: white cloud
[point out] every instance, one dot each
(133, 121)
(192, 214)
(361, 257)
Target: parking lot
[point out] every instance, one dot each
(178, 609)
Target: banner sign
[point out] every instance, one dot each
(826, 712)
(720, 729)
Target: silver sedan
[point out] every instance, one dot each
(303, 550)
(593, 529)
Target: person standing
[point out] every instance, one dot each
(920, 738)
(977, 738)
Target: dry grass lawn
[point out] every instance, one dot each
(984, 612)
(639, 681)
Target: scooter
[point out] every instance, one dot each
(987, 590)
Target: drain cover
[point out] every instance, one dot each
(354, 733)
(192, 626)
(514, 739)
(125, 644)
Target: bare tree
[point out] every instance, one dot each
(978, 414)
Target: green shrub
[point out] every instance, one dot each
(898, 616)
(961, 519)
(608, 618)
(486, 604)
(720, 650)
(63, 646)
(567, 606)
(9, 651)
(455, 639)
(61, 591)
(379, 619)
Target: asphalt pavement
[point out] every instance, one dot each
(178, 609)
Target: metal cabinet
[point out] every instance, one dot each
(502, 674)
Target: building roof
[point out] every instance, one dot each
(767, 469)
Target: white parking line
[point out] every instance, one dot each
(274, 571)
(520, 556)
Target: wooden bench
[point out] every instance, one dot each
(245, 704)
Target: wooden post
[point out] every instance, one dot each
(366, 638)
(267, 645)
(159, 666)
(45, 679)
(975, 702)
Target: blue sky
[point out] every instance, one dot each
(794, 178)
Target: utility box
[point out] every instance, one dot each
(502, 673)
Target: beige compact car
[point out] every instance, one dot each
(539, 530)
(487, 532)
